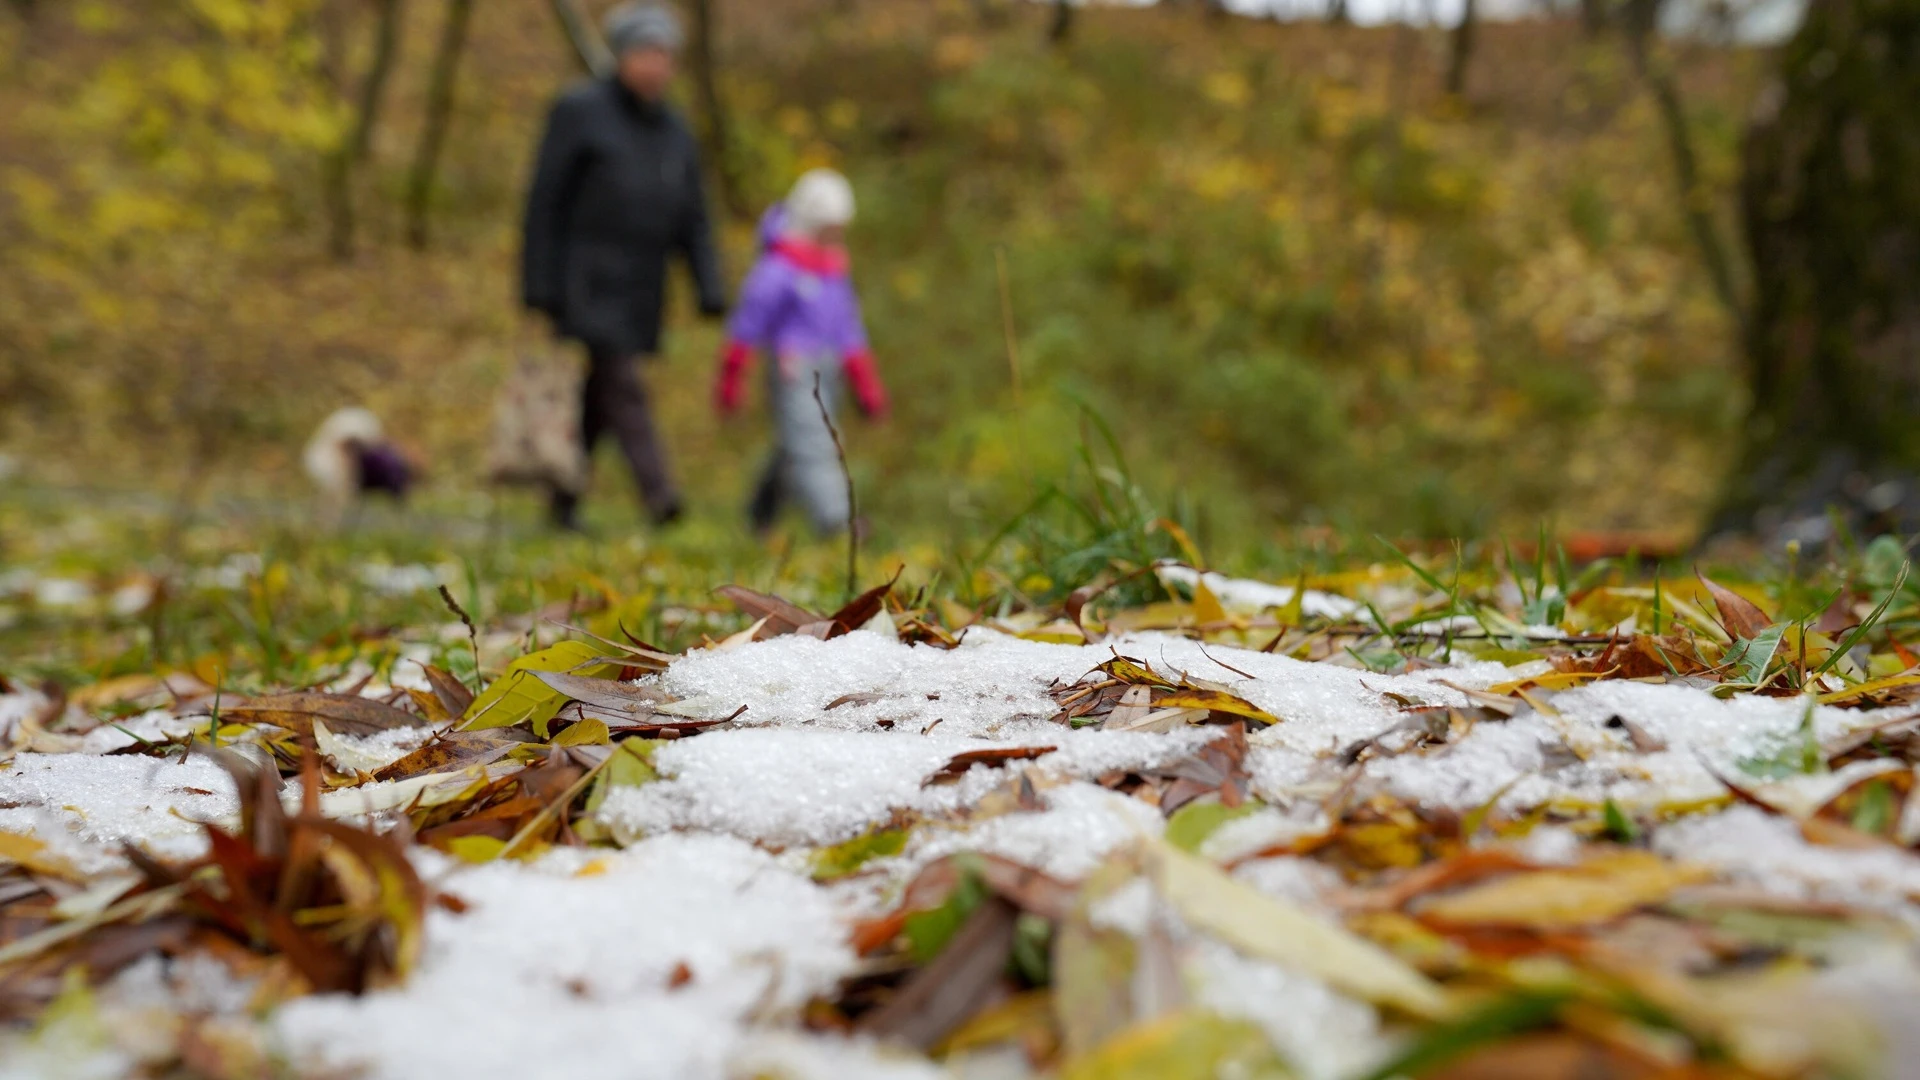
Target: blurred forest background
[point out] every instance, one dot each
(1306, 272)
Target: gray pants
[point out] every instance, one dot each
(804, 466)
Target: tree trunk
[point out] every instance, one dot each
(1060, 28)
(716, 129)
(1337, 13)
(1462, 52)
(1830, 195)
(353, 149)
(1593, 17)
(588, 48)
(433, 134)
(1642, 16)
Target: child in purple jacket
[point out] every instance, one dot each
(798, 307)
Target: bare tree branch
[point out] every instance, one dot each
(588, 48)
(717, 129)
(1642, 18)
(353, 149)
(1461, 55)
(433, 135)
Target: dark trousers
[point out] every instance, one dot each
(614, 400)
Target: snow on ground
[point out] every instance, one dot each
(994, 685)
(1769, 852)
(786, 787)
(561, 967)
(1240, 594)
(1584, 753)
(571, 960)
(107, 802)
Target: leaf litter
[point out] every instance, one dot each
(1265, 830)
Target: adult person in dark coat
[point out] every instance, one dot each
(616, 191)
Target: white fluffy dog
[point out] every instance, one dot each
(350, 457)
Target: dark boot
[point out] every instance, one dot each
(763, 511)
(563, 512)
(616, 403)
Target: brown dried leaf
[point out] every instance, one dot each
(344, 714)
(1741, 617)
(456, 750)
(963, 979)
(452, 693)
(609, 694)
(1020, 885)
(861, 609)
(430, 706)
(780, 616)
(957, 766)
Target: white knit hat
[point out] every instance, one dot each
(820, 198)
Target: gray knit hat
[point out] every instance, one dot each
(642, 25)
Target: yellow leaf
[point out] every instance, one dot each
(517, 697)
(1867, 689)
(1215, 701)
(1206, 606)
(1019, 1019)
(429, 705)
(589, 732)
(1599, 890)
(1189, 1045)
(1553, 680)
(33, 855)
(1284, 933)
(476, 849)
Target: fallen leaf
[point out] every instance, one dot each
(1284, 933)
(1469, 865)
(1133, 671)
(1207, 609)
(452, 694)
(963, 978)
(345, 714)
(848, 856)
(1869, 689)
(519, 697)
(588, 732)
(1599, 890)
(1189, 826)
(1134, 706)
(1188, 1045)
(1024, 1020)
(33, 854)
(1487, 1025)
(631, 766)
(859, 611)
(1558, 680)
(775, 615)
(345, 756)
(1741, 616)
(455, 750)
(957, 766)
(1093, 969)
(610, 694)
(1215, 701)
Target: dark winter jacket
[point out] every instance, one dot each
(616, 190)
